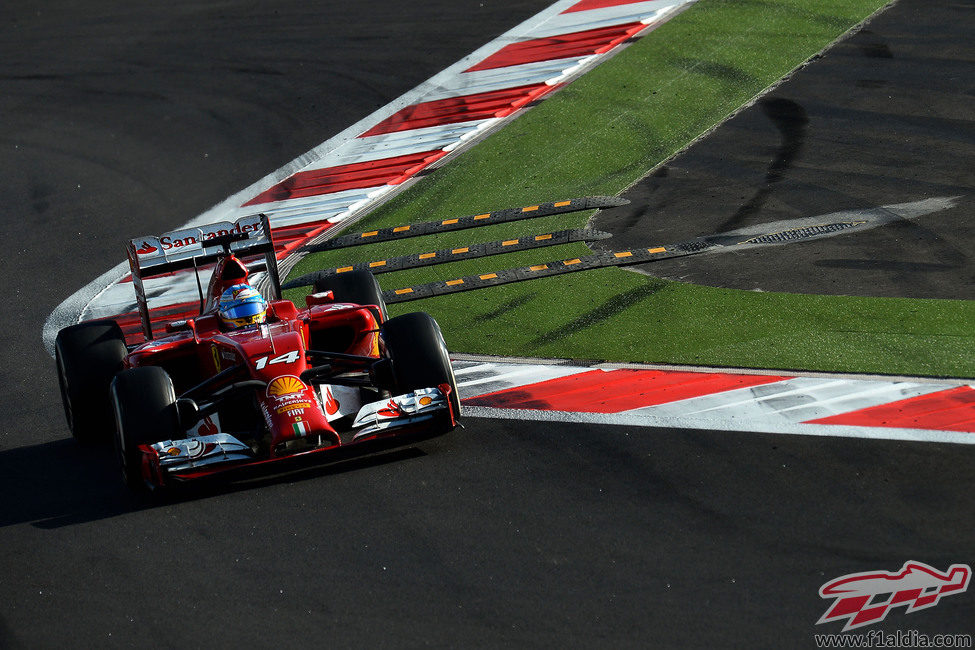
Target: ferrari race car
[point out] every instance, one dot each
(250, 381)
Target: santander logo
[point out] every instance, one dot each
(189, 240)
(191, 237)
(867, 598)
(146, 249)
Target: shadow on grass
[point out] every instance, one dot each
(505, 308)
(607, 310)
(726, 73)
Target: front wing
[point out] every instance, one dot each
(199, 456)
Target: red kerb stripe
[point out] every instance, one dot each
(946, 410)
(614, 391)
(372, 173)
(563, 46)
(466, 108)
(588, 5)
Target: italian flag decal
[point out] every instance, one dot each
(301, 428)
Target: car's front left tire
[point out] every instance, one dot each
(358, 287)
(144, 402)
(416, 348)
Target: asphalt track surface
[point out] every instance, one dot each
(120, 120)
(885, 117)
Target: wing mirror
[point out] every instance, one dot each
(187, 325)
(188, 412)
(320, 298)
(182, 325)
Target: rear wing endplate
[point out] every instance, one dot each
(189, 248)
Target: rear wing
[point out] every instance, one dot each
(189, 248)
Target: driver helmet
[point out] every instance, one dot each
(241, 305)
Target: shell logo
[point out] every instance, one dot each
(285, 385)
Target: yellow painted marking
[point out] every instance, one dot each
(451, 283)
(426, 256)
(659, 249)
(373, 265)
(401, 228)
(509, 242)
(371, 233)
(530, 208)
(562, 204)
(400, 292)
(482, 216)
(458, 251)
(540, 267)
(571, 262)
(489, 276)
(542, 237)
(623, 254)
(447, 222)
(344, 269)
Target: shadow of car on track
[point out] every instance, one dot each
(60, 483)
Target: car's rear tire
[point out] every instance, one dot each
(416, 348)
(359, 287)
(88, 355)
(145, 412)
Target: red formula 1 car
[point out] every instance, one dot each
(251, 381)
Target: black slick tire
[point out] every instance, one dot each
(416, 348)
(88, 355)
(358, 287)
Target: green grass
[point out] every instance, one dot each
(598, 136)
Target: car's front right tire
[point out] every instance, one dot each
(88, 355)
